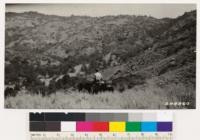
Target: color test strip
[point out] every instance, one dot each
(64, 117)
(101, 126)
(106, 117)
(36, 117)
(166, 116)
(53, 126)
(164, 126)
(37, 126)
(133, 126)
(148, 126)
(92, 126)
(149, 117)
(101, 122)
(135, 117)
(84, 126)
(68, 126)
(117, 126)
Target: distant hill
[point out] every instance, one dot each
(129, 50)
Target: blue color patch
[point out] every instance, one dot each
(149, 126)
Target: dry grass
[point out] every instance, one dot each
(141, 97)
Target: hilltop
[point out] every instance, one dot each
(129, 50)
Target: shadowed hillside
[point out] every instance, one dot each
(130, 51)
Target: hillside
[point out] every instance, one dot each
(129, 50)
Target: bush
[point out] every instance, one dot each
(140, 97)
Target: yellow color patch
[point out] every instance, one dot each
(117, 126)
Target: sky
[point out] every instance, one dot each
(96, 10)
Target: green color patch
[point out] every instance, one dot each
(133, 126)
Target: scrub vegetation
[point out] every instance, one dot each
(140, 97)
(148, 61)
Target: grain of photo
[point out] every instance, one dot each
(82, 56)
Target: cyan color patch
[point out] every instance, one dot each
(149, 126)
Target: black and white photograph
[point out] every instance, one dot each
(100, 56)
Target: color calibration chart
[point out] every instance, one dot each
(101, 126)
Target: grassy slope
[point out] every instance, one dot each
(146, 97)
(169, 82)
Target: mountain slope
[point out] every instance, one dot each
(129, 50)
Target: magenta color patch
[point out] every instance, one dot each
(84, 126)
